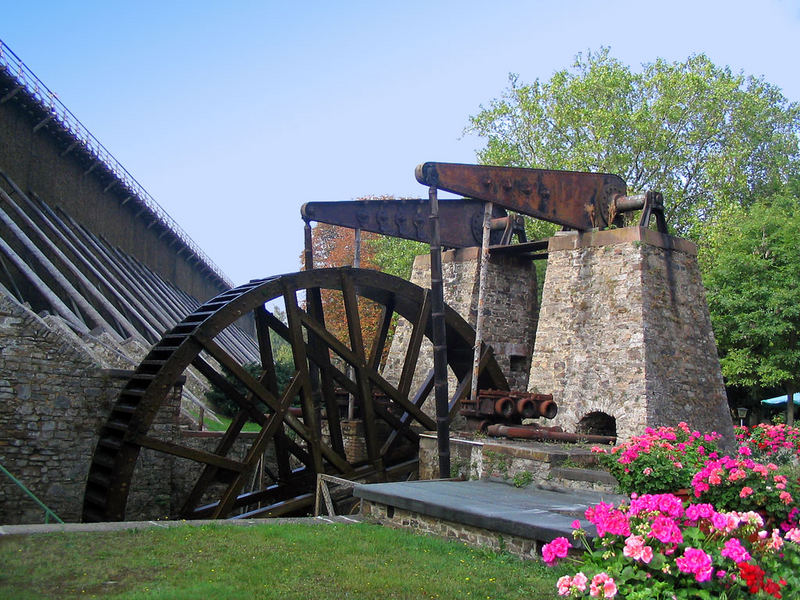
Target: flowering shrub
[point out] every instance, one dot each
(743, 484)
(779, 444)
(658, 548)
(661, 460)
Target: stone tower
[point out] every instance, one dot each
(624, 337)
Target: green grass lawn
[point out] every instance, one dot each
(225, 422)
(270, 561)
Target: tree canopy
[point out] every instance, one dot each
(751, 266)
(703, 136)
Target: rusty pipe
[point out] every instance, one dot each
(538, 433)
(637, 201)
(504, 407)
(548, 409)
(527, 408)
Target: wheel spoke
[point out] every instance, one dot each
(387, 314)
(414, 345)
(365, 397)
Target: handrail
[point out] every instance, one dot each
(49, 101)
(47, 512)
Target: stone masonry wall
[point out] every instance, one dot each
(53, 398)
(476, 537)
(624, 330)
(509, 317)
(56, 391)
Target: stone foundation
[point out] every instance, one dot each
(624, 332)
(521, 463)
(474, 536)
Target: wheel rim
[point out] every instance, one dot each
(224, 487)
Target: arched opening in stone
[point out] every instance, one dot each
(598, 423)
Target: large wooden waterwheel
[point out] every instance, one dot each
(324, 369)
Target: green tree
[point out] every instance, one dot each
(751, 266)
(396, 255)
(700, 134)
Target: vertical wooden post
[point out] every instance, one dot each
(483, 261)
(439, 341)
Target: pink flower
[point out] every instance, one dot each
(745, 451)
(697, 562)
(735, 551)
(785, 497)
(775, 541)
(746, 491)
(719, 521)
(607, 519)
(602, 584)
(666, 531)
(579, 581)
(633, 546)
(556, 549)
(737, 474)
(564, 585)
(576, 524)
(695, 512)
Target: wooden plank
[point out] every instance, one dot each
(414, 344)
(202, 456)
(387, 313)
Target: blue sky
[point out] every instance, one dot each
(233, 115)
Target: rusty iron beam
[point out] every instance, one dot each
(577, 200)
(461, 221)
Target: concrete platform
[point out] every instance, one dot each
(532, 513)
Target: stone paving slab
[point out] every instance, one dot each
(531, 512)
(124, 525)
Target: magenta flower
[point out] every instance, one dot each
(697, 562)
(735, 551)
(745, 451)
(556, 549)
(666, 531)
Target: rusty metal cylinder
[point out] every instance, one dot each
(504, 407)
(527, 408)
(548, 409)
(629, 203)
